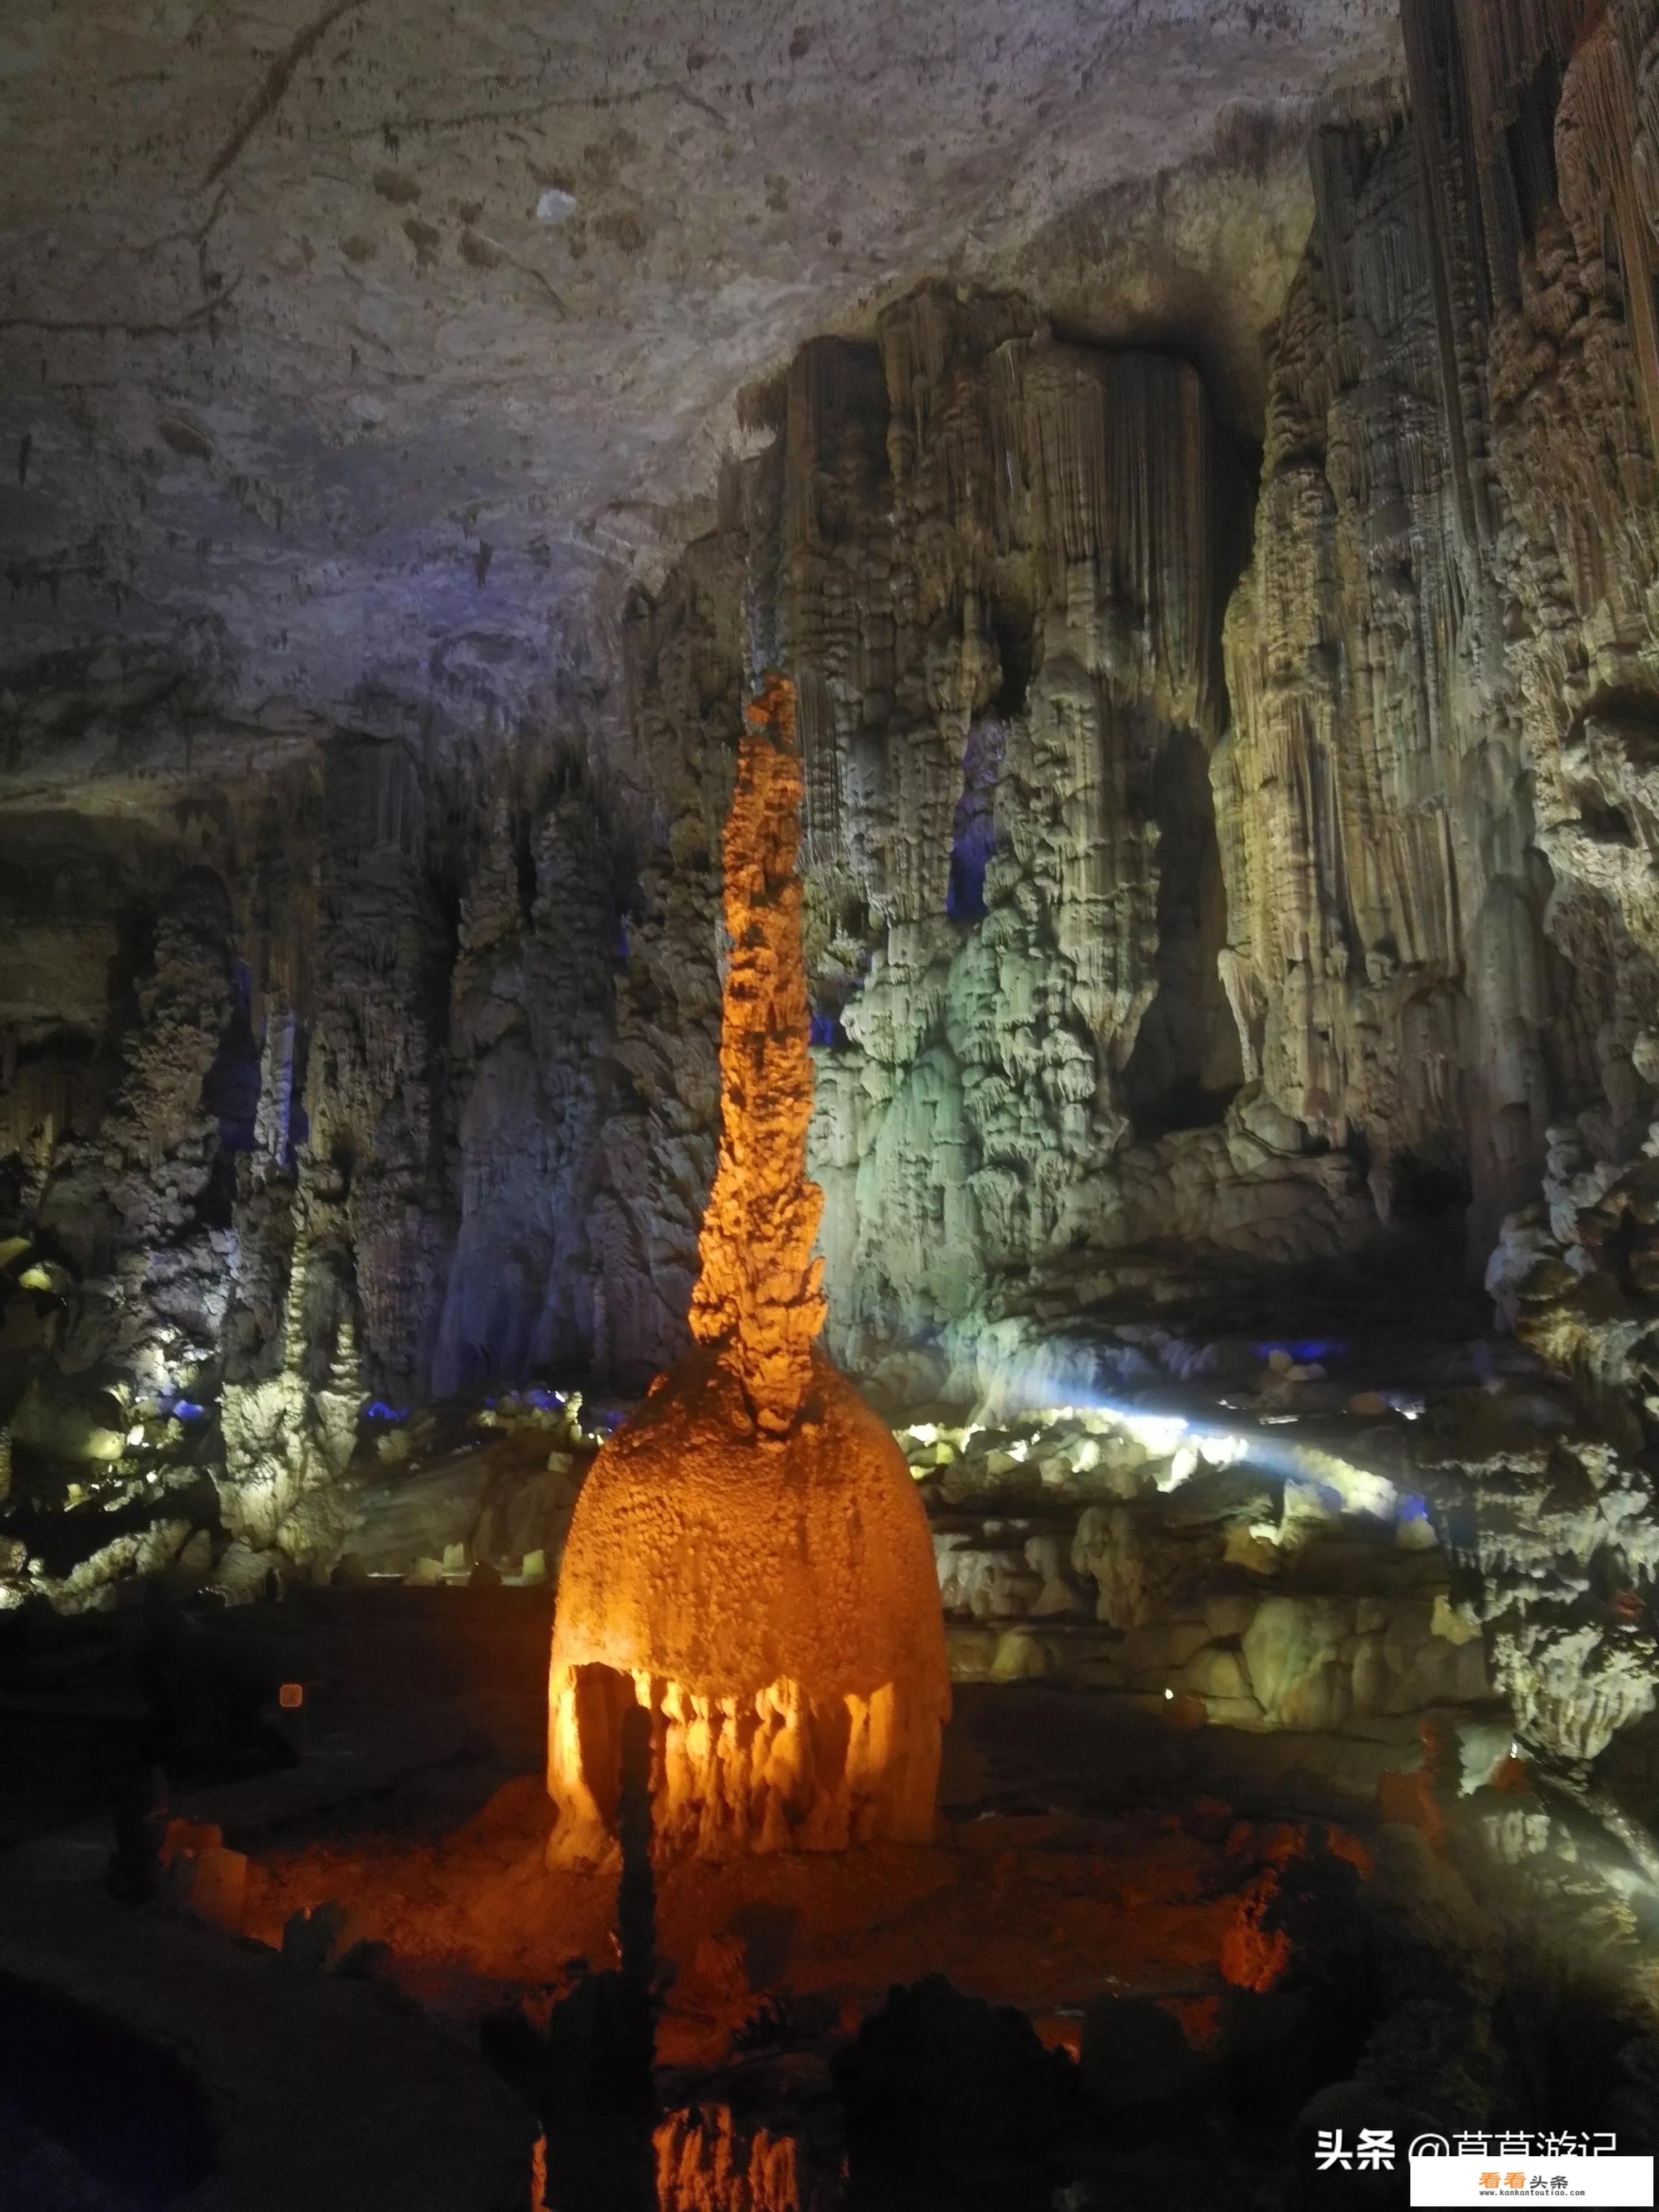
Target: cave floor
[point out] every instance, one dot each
(1043, 1912)
(1084, 1847)
(1087, 1845)
(1084, 1844)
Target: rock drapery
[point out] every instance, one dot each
(749, 1560)
(1421, 951)
(996, 564)
(1443, 668)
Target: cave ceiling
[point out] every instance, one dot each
(344, 350)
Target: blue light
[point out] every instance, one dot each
(379, 1411)
(1360, 1491)
(972, 850)
(1307, 1352)
(972, 831)
(1413, 1508)
(185, 1409)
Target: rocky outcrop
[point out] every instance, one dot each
(1136, 1555)
(294, 1148)
(1575, 391)
(130, 1208)
(1443, 668)
(997, 565)
(1435, 925)
(1563, 1548)
(452, 1113)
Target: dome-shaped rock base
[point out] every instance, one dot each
(774, 1604)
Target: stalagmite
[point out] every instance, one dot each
(748, 1558)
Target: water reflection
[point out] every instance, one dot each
(709, 2159)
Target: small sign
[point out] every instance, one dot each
(291, 1697)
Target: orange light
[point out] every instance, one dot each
(291, 1697)
(749, 1557)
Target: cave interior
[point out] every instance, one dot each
(829, 1103)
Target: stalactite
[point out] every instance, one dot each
(1359, 893)
(35, 1109)
(1602, 45)
(1434, 67)
(273, 1122)
(828, 625)
(1506, 39)
(1606, 68)
(1104, 463)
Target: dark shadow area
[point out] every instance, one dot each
(1429, 1196)
(128, 2114)
(973, 831)
(230, 1089)
(1529, 146)
(1185, 1066)
(1014, 631)
(93, 1706)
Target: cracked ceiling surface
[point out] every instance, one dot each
(341, 350)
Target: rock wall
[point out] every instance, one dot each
(983, 756)
(1443, 663)
(1438, 843)
(1453, 559)
(996, 564)
(306, 1059)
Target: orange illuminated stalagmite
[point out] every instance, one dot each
(758, 1299)
(749, 1557)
